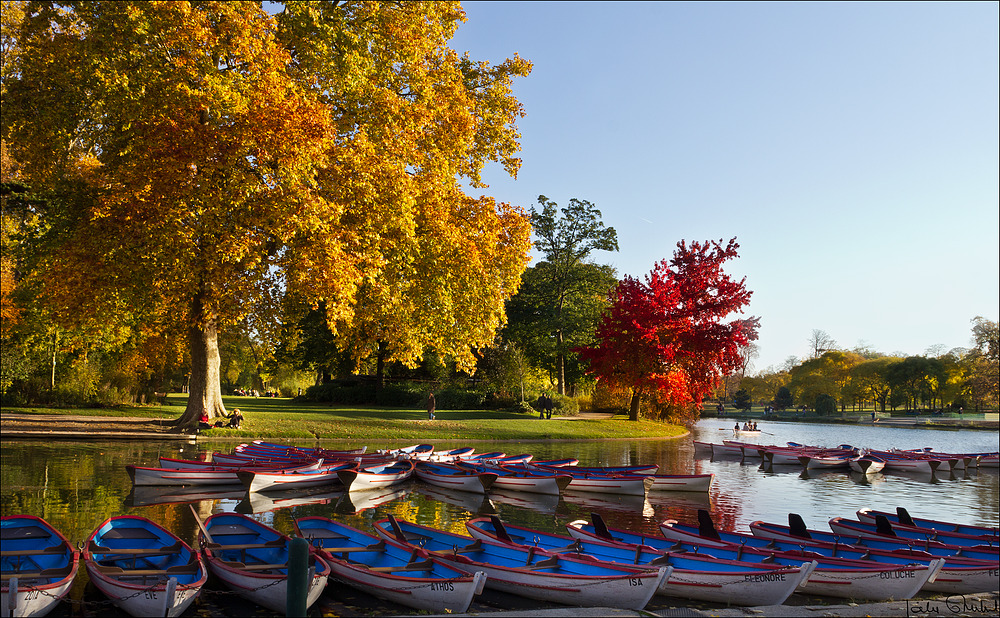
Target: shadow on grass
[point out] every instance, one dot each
(278, 405)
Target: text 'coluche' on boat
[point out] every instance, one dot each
(142, 567)
(253, 560)
(389, 570)
(39, 565)
(692, 576)
(533, 573)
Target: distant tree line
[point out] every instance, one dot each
(962, 378)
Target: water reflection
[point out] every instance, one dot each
(77, 486)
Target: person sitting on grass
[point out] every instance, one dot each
(235, 418)
(203, 421)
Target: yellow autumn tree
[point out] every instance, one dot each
(204, 159)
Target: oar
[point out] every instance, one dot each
(201, 525)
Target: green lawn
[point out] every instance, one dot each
(283, 418)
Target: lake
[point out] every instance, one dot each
(76, 486)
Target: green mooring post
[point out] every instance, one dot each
(298, 578)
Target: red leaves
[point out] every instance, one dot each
(667, 336)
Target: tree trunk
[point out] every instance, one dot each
(560, 365)
(204, 391)
(633, 407)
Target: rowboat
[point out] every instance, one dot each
(38, 566)
(267, 480)
(748, 450)
(505, 460)
(194, 464)
(417, 451)
(702, 448)
(555, 463)
(208, 475)
(242, 460)
(483, 457)
(829, 576)
(902, 517)
(681, 482)
(797, 531)
(389, 570)
(523, 480)
(142, 567)
(620, 484)
(639, 469)
(883, 528)
(954, 575)
(727, 450)
(533, 573)
(897, 461)
(317, 451)
(378, 475)
(697, 577)
(453, 454)
(455, 477)
(866, 464)
(252, 560)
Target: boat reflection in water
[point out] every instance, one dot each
(606, 502)
(538, 503)
(150, 495)
(356, 501)
(259, 502)
(477, 504)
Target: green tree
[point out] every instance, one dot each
(742, 400)
(825, 405)
(562, 296)
(783, 398)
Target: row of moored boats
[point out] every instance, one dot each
(146, 570)
(845, 456)
(262, 467)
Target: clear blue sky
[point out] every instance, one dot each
(852, 149)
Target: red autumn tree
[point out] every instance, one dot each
(668, 339)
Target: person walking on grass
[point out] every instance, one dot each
(430, 407)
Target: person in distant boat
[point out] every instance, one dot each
(737, 427)
(430, 407)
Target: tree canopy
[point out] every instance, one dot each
(668, 337)
(209, 164)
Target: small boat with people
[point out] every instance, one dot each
(252, 560)
(389, 570)
(38, 566)
(142, 567)
(531, 572)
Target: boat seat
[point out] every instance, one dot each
(54, 549)
(276, 543)
(180, 569)
(128, 533)
(176, 548)
(254, 567)
(224, 529)
(59, 572)
(548, 563)
(323, 533)
(24, 532)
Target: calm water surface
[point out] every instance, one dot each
(77, 486)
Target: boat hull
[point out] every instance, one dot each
(40, 576)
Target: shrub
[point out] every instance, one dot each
(825, 405)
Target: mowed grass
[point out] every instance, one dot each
(284, 418)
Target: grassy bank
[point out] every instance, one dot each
(276, 418)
